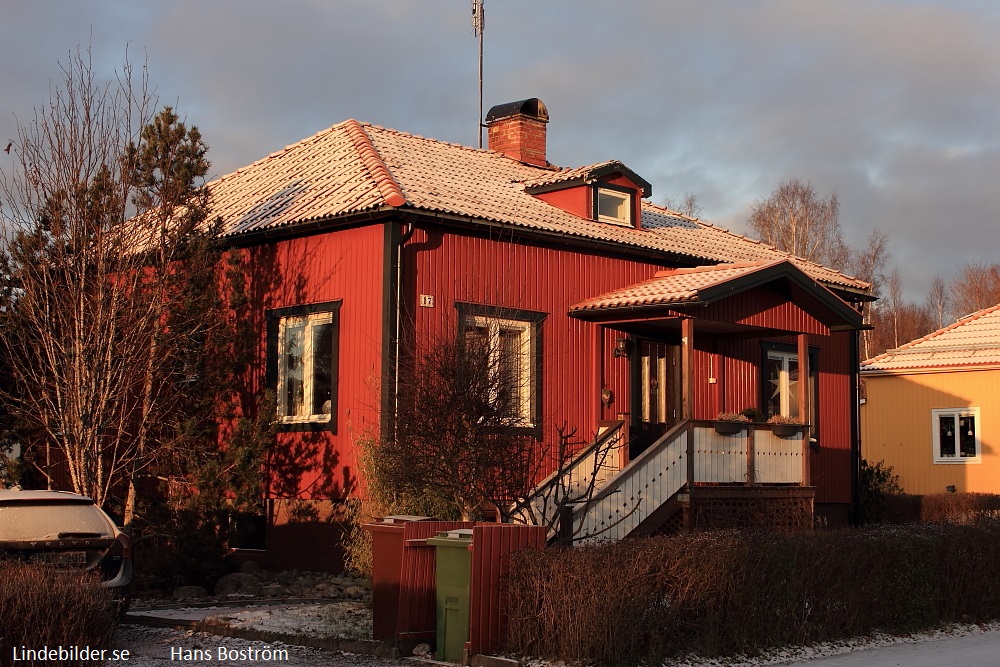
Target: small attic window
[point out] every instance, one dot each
(613, 205)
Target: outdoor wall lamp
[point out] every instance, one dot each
(607, 397)
(622, 347)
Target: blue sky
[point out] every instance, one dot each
(890, 104)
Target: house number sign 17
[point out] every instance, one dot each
(426, 300)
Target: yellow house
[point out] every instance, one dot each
(933, 408)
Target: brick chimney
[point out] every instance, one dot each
(517, 129)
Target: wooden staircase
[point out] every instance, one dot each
(593, 500)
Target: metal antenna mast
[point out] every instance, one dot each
(478, 27)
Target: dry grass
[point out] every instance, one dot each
(732, 593)
(42, 607)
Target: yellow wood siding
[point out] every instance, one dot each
(896, 428)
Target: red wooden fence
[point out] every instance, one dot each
(492, 545)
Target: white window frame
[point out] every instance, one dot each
(785, 406)
(525, 331)
(310, 320)
(957, 413)
(625, 197)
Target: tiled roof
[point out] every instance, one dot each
(566, 175)
(971, 341)
(355, 167)
(672, 286)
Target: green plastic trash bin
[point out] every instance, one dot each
(453, 569)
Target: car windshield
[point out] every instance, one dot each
(33, 521)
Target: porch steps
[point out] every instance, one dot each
(691, 476)
(641, 497)
(581, 476)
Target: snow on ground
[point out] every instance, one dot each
(165, 647)
(345, 620)
(955, 646)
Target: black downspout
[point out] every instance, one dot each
(855, 429)
(392, 261)
(390, 315)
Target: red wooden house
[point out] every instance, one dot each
(623, 310)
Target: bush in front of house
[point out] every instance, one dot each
(732, 592)
(43, 607)
(943, 508)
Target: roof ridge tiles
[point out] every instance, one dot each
(723, 266)
(379, 172)
(441, 142)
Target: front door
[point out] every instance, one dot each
(656, 381)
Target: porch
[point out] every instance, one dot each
(696, 477)
(674, 469)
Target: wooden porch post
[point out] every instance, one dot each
(687, 390)
(804, 389)
(687, 368)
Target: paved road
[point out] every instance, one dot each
(151, 647)
(973, 650)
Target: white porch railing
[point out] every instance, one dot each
(581, 477)
(691, 452)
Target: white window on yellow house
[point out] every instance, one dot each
(956, 435)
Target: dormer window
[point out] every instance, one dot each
(608, 192)
(613, 205)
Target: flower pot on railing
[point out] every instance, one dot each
(784, 427)
(728, 428)
(729, 424)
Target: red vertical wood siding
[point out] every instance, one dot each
(345, 265)
(508, 269)
(762, 308)
(503, 272)
(492, 546)
(831, 465)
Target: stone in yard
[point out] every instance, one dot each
(273, 590)
(189, 592)
(249, 567)
(422, 650)
(354, 592)
(238, 583)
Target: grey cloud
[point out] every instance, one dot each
(891, 104)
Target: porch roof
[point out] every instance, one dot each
(689, 292)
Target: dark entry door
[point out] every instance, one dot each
(655, 393)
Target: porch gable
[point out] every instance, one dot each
(753, 298)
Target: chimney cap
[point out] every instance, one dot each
(532, 107)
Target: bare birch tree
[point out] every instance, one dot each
(798, 221)
(687, 205)
(976, 286)
(114, 316)
(868, 264)
(70, 333)
(938, 301)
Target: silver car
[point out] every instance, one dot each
(66, 530)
